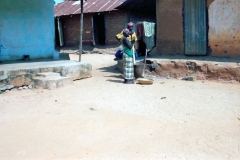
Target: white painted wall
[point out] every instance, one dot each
(224, 27)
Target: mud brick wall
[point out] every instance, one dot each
(170, 27)
(115, 22)
(223, 22)
(138, 17)
(71, 26)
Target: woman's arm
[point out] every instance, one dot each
(127, 43)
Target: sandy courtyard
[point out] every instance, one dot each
(101, 118)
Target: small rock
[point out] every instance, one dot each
(162, 82)
(55, 100)
(168, 77)
(163, 97)
(7, 90)
(30, 86)
(189, 78)
(25, 87)
(94, 51)
(20, 88)
(14, 89)
(3, 87)
(9, 87)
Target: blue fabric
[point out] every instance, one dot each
(119, 54)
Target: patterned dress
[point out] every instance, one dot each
(128, 67)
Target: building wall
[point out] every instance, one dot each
(170, 27)
(114, 23)
(71, 29)
(224, 27)
(26, 28)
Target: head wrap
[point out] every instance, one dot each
(125, 31)
(130, 24)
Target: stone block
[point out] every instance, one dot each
(51, 80)
(22, 74)
(3, 75)
(18, 81)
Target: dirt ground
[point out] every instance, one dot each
(101, 118)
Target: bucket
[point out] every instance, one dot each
(138, 70)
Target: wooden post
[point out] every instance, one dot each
(81, 31)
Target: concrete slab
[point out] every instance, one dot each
(21, 74)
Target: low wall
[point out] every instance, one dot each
(22, 74)
(201, 70)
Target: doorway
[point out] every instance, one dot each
(195, 27)
(99, 29)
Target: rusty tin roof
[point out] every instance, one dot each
(90, 6)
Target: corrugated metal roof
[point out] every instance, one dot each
(90, 6)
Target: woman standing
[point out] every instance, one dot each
(128, 69)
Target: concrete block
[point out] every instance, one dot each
(3, 75)
(21, 74)
(51, 80)
(4, 87)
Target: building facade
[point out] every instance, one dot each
(102, 21)
(182, 23)
(99, 28)
(26, 28)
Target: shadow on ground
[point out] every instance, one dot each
(113, 78)
(111, 69)
(115, 81)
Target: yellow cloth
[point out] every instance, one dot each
(133, 36)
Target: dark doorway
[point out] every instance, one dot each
(99, 29)
(195, 27)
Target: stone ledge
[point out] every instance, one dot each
(21, 74)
